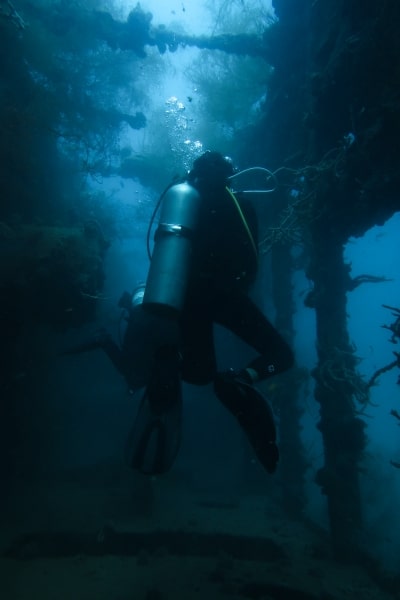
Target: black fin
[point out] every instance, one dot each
(156, 434)
(254, 415)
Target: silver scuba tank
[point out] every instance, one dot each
(169, 268)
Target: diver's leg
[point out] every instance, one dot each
(239, 314)
(103, 341)
(198, 353)
(199, 363)
(115, 354)
(155, 438)
(164, 384)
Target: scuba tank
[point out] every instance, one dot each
(170, 263)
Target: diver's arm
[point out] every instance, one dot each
(103, 341)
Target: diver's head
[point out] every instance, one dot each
(211, 170)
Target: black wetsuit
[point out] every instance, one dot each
(158, 351)
(223, 269)
(224, 266)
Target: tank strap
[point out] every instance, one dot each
(172, 228)
(243, 219)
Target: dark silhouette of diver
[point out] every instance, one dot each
(203, 264)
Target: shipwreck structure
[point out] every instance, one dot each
(330, 129)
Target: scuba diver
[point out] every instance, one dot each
(203, 264)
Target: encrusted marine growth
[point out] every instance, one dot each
(54, 274)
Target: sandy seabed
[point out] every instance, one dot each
(112, 537)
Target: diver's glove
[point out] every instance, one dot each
(253, 413)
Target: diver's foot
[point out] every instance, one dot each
(253, 414)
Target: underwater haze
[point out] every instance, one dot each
(104, 106)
